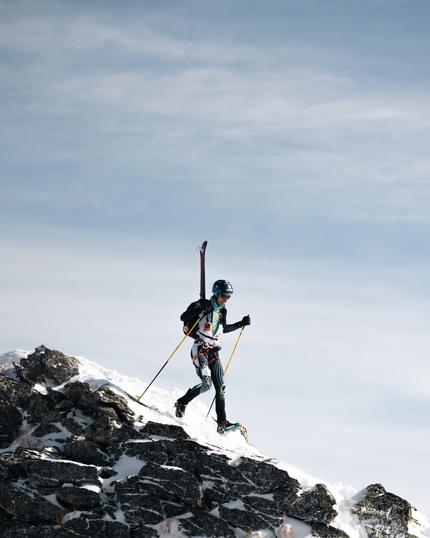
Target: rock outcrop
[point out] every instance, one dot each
(78, 462)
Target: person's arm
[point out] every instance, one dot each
(228, 328)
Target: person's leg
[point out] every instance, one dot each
(218, 382)
(203, 371)
(219, 386)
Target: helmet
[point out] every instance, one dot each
(222, 286)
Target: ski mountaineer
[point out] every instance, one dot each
(204, 352)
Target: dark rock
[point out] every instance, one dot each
(172, 509)
(107, 472)
(106, 397)
(26, 505)
(73, 392)
(100, 402)
(161, 452)
(51, 473)
(4, 516)
(226, 482)
(14, 392)
(5, 473)
(72, 426)
(45, 429)
(47, 366)
(203, 524)
(55, 395)
(10, 422)
(265, 506)
(243, 519)
(85, 452)
(53, 532)
(383, 513)
(321, 530)
(14, 530)
(315, 505)
(139, 507)
(11, 463)
(143, 532)
(7, 435)
(171, 484)
(41, 409)
(105, 432)
(97, 528)
(36, 531)
(169, 431)
(78, 498)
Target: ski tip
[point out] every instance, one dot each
(237, 427)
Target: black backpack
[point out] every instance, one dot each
(191, 326)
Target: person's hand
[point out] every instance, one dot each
(246, 320)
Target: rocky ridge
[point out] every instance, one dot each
(77, 461)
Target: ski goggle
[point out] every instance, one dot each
(225, 297)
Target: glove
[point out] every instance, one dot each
(246, 320)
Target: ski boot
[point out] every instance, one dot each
(225, 426)
(180, 409)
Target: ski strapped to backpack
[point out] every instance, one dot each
(202, 250)
(190, 325)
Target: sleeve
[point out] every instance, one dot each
(228, 328)
(195, 309)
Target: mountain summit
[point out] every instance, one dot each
(80, 457)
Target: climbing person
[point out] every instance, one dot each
(204, 352)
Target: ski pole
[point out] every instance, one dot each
(228, 364)
(165, 364)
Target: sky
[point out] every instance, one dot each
(291, 135)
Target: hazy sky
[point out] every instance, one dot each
(293, 136)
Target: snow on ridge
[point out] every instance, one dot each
(158, 407)
(14, 355)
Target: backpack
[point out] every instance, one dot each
(190, 323)
(193, 322)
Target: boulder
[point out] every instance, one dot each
(10, 422)
(15, 392)
(55, 473)
(87, 526)
(47, 366)
(78, 498)
(87, 452)
(315, 505)
(204, 525)
(26, 505)
(383, 513)
(171, 483)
